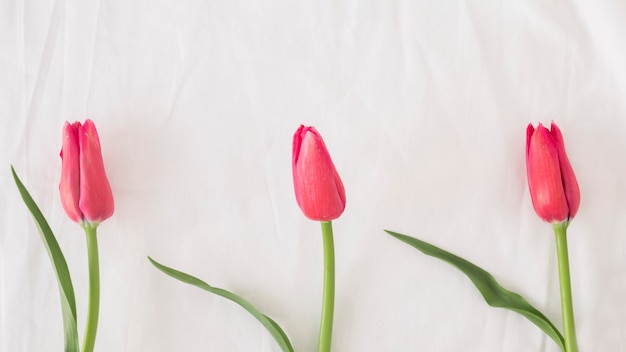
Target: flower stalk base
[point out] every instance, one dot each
(567, 308)
(94, 287)
(328, 301)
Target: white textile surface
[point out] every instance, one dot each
(423, 106)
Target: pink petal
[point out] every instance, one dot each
(70, 172)
(318, 187)
(96, 198)
(544, 177)
(570, 185)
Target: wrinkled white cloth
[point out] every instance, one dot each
(423, 106)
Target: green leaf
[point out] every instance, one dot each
(274, 329)
(68, 302)
(492, 291)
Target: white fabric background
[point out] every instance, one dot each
(424, 107)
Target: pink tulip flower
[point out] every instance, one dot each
(319, 190)
(85, 191)
(553, 187)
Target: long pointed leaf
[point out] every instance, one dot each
(274, 329)
(68, 302)
(494, 294)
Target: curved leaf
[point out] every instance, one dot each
(274, 329)
(494, 294)
(68, 302)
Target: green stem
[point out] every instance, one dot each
(94, 288)
(328, 301)
(567, 308)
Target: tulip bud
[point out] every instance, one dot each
(319, 190)
(553, 187)
(85, 191)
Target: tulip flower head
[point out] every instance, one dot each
(85, 191)
(319, 190)
(553, 187)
